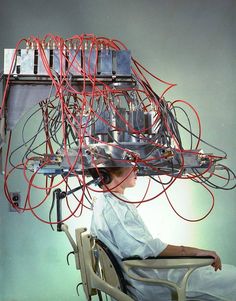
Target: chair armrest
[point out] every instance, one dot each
(168, 262)
(188, 263)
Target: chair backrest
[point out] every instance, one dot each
(98, 267)
(109, 267)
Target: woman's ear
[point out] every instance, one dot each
(105, 176)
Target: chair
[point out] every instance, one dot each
(100, 271)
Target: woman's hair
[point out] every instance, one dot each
(118, 171)
(105, 174)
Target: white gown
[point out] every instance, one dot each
(119, 226)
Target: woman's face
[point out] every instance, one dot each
(127, 178)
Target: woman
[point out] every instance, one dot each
(118, 224)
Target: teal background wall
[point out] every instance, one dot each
(191, 43)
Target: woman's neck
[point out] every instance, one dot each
(118, 189)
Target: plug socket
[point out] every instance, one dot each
(16, 199)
